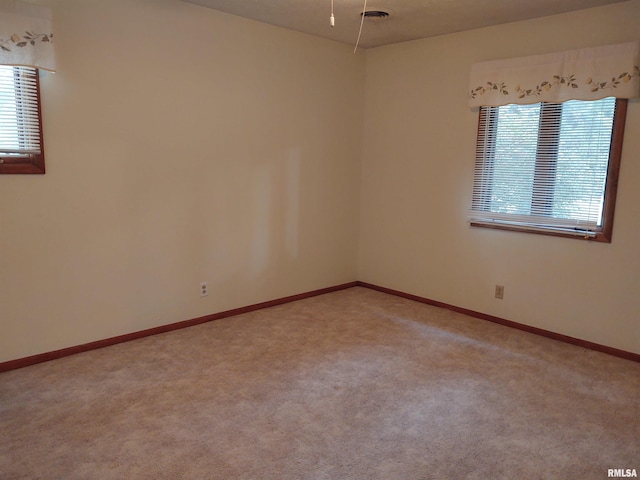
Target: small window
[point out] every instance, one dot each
(21, 149)
(549, 168)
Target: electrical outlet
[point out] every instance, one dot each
(499, 292)
(204, 289)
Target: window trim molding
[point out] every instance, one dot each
(613, 172)
(601, 234)
(31, 164)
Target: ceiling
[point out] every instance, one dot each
(407, 20)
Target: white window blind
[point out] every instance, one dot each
(544, 165)
(19, 119)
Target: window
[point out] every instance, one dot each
(21, 149)
(549, 168)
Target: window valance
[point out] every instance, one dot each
(26, 37)
(583, 74)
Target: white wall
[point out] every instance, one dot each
(182, 145)
(418, 155)
(185, 145)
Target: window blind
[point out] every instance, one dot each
(19, 119)
(543, 165)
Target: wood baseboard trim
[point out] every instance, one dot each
(634, 357)
(65, 352)
(45, 357)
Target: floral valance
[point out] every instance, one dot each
(26, 37)
(584, 74)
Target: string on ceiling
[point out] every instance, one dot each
(332, 19)
(364, 9)
(332, 22)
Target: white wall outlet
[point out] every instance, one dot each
(499, 292)
(204, 289)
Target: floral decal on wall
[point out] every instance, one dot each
(614, 82)
(557, 81)
(481, 90)
(29, 38)
(569, 81)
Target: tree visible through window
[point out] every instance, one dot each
(549, 167)
(21, 149)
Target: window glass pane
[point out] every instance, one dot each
(515, 158)
(545, 167)
(20, 124)
(583, 153)
(8, 110)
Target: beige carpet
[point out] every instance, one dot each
(355, 384)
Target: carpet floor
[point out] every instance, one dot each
(355, 384)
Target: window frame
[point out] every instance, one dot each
(27, 164)
(602, 233)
